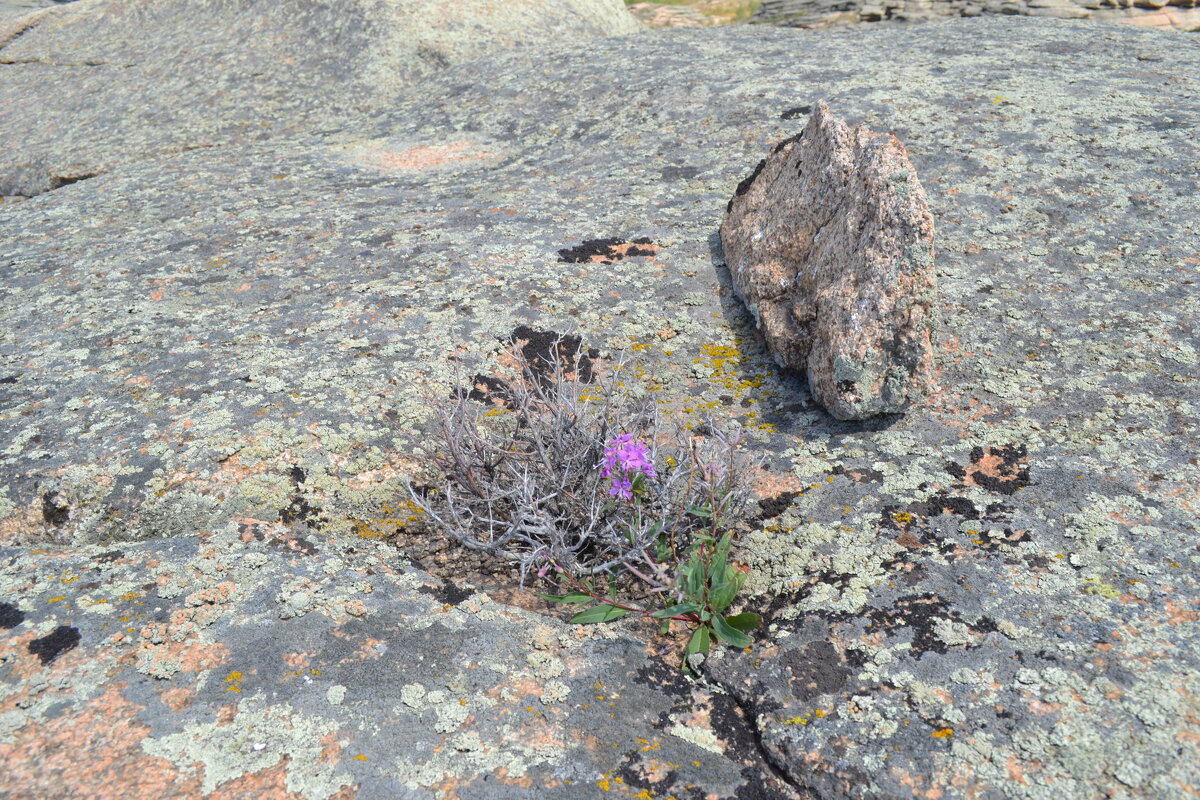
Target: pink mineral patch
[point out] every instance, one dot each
(429, 156)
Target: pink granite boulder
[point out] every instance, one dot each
(830, 245)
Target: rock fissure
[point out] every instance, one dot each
(748, 713)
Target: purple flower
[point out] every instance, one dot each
(624, 460)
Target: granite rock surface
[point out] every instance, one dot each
(1167, 14)
(829, 243)
(136, 78)
(210, 360)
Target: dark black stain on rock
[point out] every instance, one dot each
(667, 679)
(9, 379)
(55, 511)
(448, 592)
(489, 390)
(920, 614)
(859, 474)
(10, 616)
(1009, 538)
(817, 669)
(945, 503)
(1003, 469)
(771, 507)
(299, 510)
(606, 251)
(54, 644)
(798, 111)
(543, 351)
(296, 543)
(109, 556)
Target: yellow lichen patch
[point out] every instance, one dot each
(392, 518)
(1099, 587)
(233, 682)
(719, 363)
(639, 346)
(944, 733)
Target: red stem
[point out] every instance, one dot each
(685, 618)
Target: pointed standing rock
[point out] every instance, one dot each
(830, 245)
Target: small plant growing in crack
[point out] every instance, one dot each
(593, 495)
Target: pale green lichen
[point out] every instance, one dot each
(260, 737)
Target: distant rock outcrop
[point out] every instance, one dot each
(1180, 14)
(140, 78)
(830, 244)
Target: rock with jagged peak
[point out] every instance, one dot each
(830, 245)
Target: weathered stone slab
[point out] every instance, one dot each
(257, 662)
(134, 79)
(830, 244)
(994, 595)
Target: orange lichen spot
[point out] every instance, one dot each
(234, 682)
(944, 733)
(360, 757)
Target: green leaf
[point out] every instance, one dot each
(604, 613)
(688, 582)
(729, 634)
(721, 596)
(665, 628)
(572, 597)
(697, 511)
(696, 579)
(663, 549)
(675, 611)
(746, 621)
(720, 560)
(699, 643)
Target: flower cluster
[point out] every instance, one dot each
(624, 460)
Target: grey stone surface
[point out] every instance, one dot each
(136, 78)
(833, 13)
(829, 243)
(994, 596)
(17, 8)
